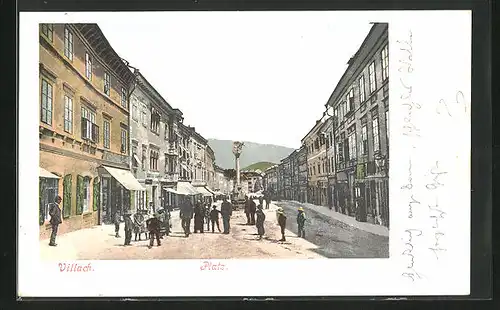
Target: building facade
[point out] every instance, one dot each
(84, 126)
(315, 142)
(210, 168)
(360, 105)
(154, 159)
(196, 164)
(270, 180)
(302, 174)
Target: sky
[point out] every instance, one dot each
(262, 77)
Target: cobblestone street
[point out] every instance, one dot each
(99, 243)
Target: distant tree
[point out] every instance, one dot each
(230, 174)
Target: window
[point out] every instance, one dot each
(376, 141)
(144, 118)
(48, 192)
(319, 168)
(167, 133)
(86, 194)
(364, 138)
(387, 124)
(134, 110)
(68, 114)
(350, 100)
(107, 83)
(143, 158)
(47, 31)
(352, 145)
(46, 107)
(88, 66)
(314, 170)
(123, 97)
(340, 154)
(134, 152)
(385, 62)
(90, 131)
(155, 121)
(106, 134)
(123, 147)
(362, 94)
(68, 44)
(371, 77)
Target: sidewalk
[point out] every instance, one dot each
(368, 227)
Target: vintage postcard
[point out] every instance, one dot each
(217, 146)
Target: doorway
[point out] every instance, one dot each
(104, 211)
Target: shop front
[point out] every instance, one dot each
(49, 189)
(120, 191)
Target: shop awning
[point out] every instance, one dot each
(45, 174)
(209, 190)
(202, 190)
(126, 178)
(170, 190)
(185, 188)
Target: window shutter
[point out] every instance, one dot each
(41, 185)
(84, 128)
(95, 133)
(96, 191)
(67, 184)
(79, 195)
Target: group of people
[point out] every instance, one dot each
(202, 213)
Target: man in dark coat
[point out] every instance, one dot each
(226, 211)
(214, 218)
(247, 209)
(267, 198)
(55, 219)
(252, 209)
(301, 220)
(117, 223)
(282, 223)
(199, 215)
(186, 214)
(153, 225)
(207, 215)
(129, 226)
(261, 200)
(261, 217)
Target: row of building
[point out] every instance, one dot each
(108, 140)
(343, 162)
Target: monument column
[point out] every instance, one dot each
(237, 149)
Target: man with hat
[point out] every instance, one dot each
(154, 225)
(281, 222)
(186, 214)
(301, 220)
(129, 225)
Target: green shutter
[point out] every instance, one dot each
(96, 192)
(41, 209)
(79, 195)
(67, 184)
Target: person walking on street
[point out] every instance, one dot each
(267, 198)
(247, 209)
(252, 209)
(199, 214)
(207, 215)
(55, 219)
(153, 225)
(117, 223)
(214, 218)
(226, 211)
(301, 220)
(261, 200)
(261, 217)
(129, 226)
(282, 222)
(186, 214)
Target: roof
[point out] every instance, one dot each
(153, 93)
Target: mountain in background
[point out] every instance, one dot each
(261, 165)
(252, 153)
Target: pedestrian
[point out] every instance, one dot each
(117, 223)
(167, 217)
(207, 215)
(252, 209)
(153, 225)
(301, 220)
(186, 214)
(199, 214)
(261, 217)
(261, 200)
(226, 211)
(129, 225)
(55, 219)
(282, 222)
(214, 218)
(247, 209)
(267, 198)
(139, 225)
